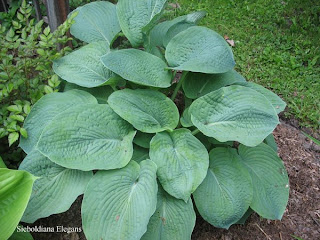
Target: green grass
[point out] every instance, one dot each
(277, 46)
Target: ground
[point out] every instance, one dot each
(301, 218)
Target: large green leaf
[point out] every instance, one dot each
(143, 139)
(226, 193)
(182, 162)
(176, 29)
(188, 21)
(147, 110)
(275, 100)
(199, 49)
(134, 16)
(55, 190)
(269, 178)
(46, 109)
(234, 113)
(96, 21)
(118, 204)
(199, 84)
(139, 154)
(157, 35)
(139, 67)
(100, 93)
(173, 219)
(87, 137)
(15, 191)
(83, 66)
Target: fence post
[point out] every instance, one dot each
(57, 11)
(3, 6)
(37, 9)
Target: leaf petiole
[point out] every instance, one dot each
(179, 84)
(195, 132)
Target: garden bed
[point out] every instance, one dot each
(301, 219)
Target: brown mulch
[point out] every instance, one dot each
(301, 218)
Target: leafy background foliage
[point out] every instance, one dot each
(27, 51)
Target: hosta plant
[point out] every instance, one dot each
(143, 162)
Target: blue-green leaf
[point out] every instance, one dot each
(269, 178)
(147, 110)
(182, 162)
(83, 66)
(234, 113)
(134, 16)
(118, 204)
(226, 193)
(199, 49)
(139, 67)
(173, 219)
(55, 190)
(199, 84)
(87, 137)
(96, 21)
(46, 109)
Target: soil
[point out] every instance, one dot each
(301, 218)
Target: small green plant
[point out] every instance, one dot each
(118, 117)
(26, 68)
(15, 191)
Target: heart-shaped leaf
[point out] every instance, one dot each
(83, 66)
(147, 110)
(46, 109)
(199, 49)
(182, 162)
(278, 104)
(269, 178)
(139, 67)
(234, 113)
(134, 16)
(87, 137)
(15, 191)
(119, 203)
(55, 190)
(96, 21)
(173, 219)
(199, 84)
(226, 193)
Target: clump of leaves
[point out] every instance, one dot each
(115, 117)
(26, 68)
